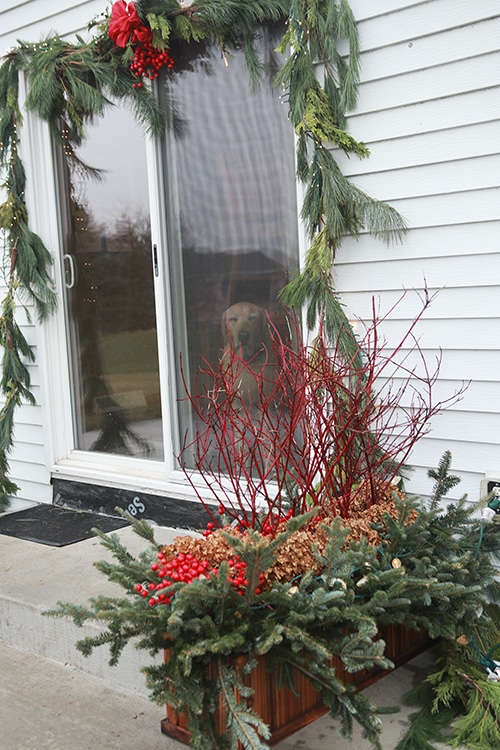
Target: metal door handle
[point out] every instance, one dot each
(71, 269)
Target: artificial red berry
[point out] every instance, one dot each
(148, 62)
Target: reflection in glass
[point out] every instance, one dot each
(110, 299)
(231, 200)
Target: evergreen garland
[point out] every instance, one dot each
(69, 84)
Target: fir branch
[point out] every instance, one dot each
(244, 725)
(444, 482)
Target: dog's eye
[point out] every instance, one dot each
(234, 319)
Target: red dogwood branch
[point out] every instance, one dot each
(320, 427)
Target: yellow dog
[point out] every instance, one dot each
(248, 347)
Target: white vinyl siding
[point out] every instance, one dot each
(32, 20)
(429, 110)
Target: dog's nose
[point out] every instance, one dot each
(243, 337)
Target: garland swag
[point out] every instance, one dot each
(69, 84)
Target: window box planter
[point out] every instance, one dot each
(285, 712)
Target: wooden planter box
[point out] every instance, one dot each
(286, 713)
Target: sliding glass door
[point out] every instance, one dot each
(229, 236)
(228, 159)
(110, 303)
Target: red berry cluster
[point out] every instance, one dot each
(182, 568)
(148, 61)
(268, 527)
(185, 568)
(209, 530)
(237, 575)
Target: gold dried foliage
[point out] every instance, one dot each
(213, 548)
(297, 555)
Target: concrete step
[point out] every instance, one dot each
(34, 577)
(45, 705)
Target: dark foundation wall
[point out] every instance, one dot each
(164, 511)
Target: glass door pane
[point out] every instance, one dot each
(231, 200)
(110, 295)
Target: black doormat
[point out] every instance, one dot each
(57, 527)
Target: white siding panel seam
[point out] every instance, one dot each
(420, 68)
(477, 38)
(441, 190)
(463, 223)
(370, 47)
(409, 23)
(426, 149)
(393, 199)
(432, 83)
(393, 112)
(457, 440)
(367, 9)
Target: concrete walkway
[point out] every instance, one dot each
(52, 697)
(45, 705)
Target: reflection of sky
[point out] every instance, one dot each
(115, 145)
(236, 187)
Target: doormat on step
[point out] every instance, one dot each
(57, 527)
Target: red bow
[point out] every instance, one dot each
(125, 25)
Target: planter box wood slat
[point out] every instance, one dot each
(283, 711)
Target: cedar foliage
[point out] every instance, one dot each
(457, 703)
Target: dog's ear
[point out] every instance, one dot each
(263, 329)
(225, 337)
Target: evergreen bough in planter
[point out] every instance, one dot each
(442, 585)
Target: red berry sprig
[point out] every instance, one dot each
(209, 530)
(270, 525)
(237, 575)
(184, 568)
(148, 61)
